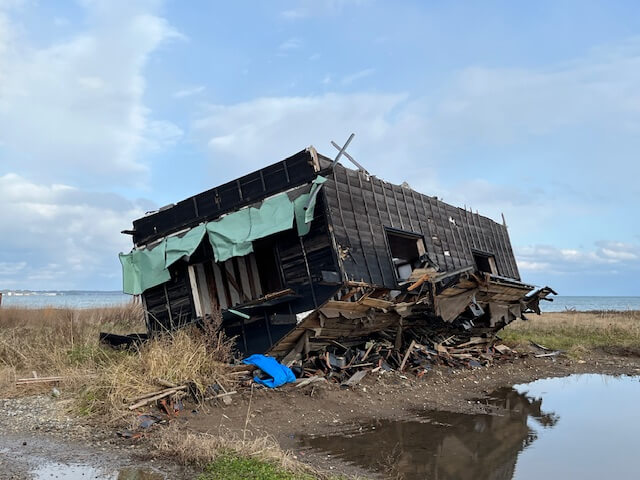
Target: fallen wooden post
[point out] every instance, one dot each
(221, 395)
(151, 394)
(310, 380)
(31, 380)
(156, 396)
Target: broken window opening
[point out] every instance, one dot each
(485, 262)
(406, 248)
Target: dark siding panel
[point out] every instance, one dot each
(170, 305)
(361, 206)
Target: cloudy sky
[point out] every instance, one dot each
(112, 108)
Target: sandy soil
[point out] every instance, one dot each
(284, 413)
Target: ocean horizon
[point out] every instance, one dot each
(99, 298)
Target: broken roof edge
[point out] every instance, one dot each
(311, 149)
(200, 207)
(298, 169)
(293, 193)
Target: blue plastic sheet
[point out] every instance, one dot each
(280, 374)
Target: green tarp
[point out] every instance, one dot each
(180, 246)
(304, 214)
(144, 268)
(230, 236)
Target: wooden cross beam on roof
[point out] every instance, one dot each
(342, 151)
(349, 157)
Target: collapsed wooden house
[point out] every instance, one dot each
(307, 252)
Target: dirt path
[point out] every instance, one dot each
(35, 430)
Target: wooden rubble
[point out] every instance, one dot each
(436, 318)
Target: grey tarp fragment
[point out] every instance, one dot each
(304, 214)
(180, 246)
(144, 268)
(231, 236)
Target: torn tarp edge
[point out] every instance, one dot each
(230, 236)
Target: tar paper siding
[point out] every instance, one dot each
(361, 206)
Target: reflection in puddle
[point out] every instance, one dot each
(139, 474)
(62, 471)
(585, 431)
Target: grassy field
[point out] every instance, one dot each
(579, 332)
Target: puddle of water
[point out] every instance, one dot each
(52, 470)
(586, 429)
(138, 474)
(68, 472)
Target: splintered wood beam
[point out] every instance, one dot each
(406, 355)
(350, 158)
(342, 150)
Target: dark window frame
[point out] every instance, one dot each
(407, 234)
(485, 256)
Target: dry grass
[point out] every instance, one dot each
(54, 341)
(65, 342)
(184, 357)
(580, 332)
(202, 449)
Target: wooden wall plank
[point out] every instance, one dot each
(223, 297)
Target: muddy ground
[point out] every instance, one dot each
(36, 430)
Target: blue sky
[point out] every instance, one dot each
(111, 108)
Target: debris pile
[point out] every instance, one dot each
(421, 350)
(159, 407)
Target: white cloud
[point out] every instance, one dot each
(74, 108)
(62, 237)
(11, 268)
(312, 8)
(294, 14)
(290, 45)
(504, 104)
(61, 22)
(354, 77)
(189, 92)
(248, 135)
(607, 256)
(483, 107)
